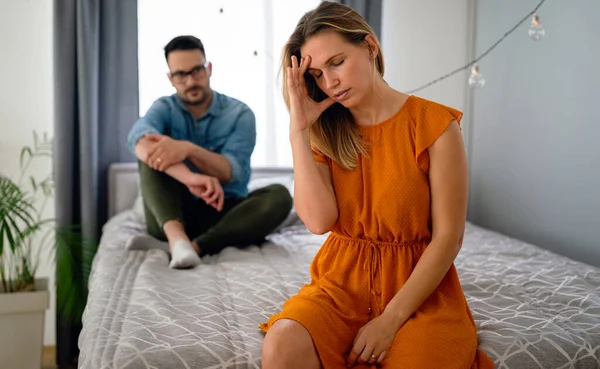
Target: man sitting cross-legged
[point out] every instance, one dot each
(193, 150)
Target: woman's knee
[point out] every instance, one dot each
(289, 345)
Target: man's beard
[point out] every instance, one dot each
(201, 98)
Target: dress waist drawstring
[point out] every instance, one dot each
(373, 266)
(373, 263)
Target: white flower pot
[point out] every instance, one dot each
(22, 327)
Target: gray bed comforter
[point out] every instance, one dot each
(533, 309)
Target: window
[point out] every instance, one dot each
(243, 39)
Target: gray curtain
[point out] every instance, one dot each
(370, 10)
(96, 102)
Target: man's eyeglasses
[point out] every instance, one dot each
(196, 72)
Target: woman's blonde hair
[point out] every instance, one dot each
(335, 133)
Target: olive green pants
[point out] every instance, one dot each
(243, 221)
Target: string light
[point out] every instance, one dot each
(476, 80)
(536, 30)
(476, 60)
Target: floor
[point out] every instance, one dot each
(49, 358)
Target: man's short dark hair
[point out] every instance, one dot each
(184, 43)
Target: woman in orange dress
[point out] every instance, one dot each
(386, 174)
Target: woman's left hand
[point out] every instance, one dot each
(373, 341)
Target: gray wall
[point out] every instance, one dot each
(535, 127)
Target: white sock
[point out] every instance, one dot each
(183, 255)
(146, 242)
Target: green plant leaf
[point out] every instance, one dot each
(74, 258)
(33, 184)
(47, 191)
(22, 210)
(28, 232)
(25, 151)
(9, 233)
(13, 207)
(3, 277)
(2, 227)
(72, 252)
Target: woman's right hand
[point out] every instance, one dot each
(304, 111)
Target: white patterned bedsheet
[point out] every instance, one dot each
(533, 309)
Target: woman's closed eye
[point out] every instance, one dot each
(336, 64)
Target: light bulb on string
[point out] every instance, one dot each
(476, 80)
(536, 30)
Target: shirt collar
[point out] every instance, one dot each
(215, 104)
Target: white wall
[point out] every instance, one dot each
(423, 40)
(535, 127)
(26, 98)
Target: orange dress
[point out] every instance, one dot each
(384, 226)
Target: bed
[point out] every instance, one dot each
(533, 308)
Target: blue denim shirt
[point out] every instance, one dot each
(227, 128)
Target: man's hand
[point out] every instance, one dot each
(165, 151)
(207, 188)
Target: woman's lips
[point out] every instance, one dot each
(342, 95)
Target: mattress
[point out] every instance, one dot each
(532, 308)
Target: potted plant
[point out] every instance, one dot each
(25, 235)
